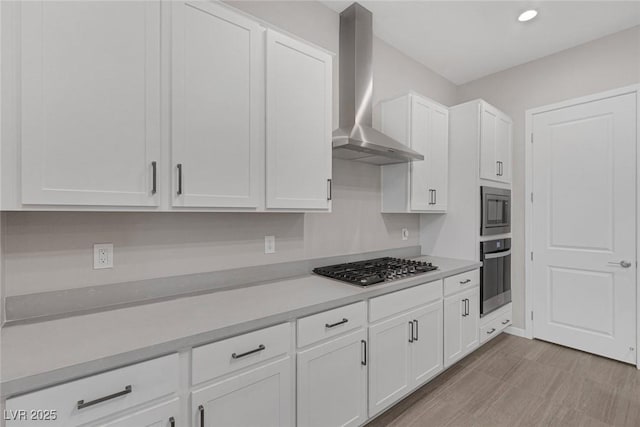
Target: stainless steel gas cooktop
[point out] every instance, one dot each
(379, 270)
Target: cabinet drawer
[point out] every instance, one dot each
(499, 321)
(461, 282)
(397, 302)
(331, 323)
(90, 398)
(219, 358)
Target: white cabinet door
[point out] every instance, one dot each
(439, 158)
(421, 187)
(429, 136)
(298, 146)
(426, 348)
(454, 312)
(163, 415)
(503, 147)
(471, 322)
(495, 144)
(389, 366)
(218, 107)
(90, 97)
(259, 397)
(332, 383)
(461, 325)
(489, 167)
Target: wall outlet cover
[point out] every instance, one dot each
(102, 256)
(405, 234)
(269, 244)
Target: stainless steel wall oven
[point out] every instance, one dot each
(495, 275)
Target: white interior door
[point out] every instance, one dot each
(584, 184)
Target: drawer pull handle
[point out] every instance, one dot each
(363, 362)
(201, 410)
(464, 282)
(172, 422)
(490, 331)
(415, 322)
(255, 350)
(82, 404)
(333, 325)
(505, 322)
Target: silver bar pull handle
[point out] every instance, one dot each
(333, 325)
(435, 197)
(329, 189)
(415, 322)
(364, 353)
(172, 422)
(490, 331)
(179, 166)
(82, 404)
(410, 331)
(464, 282)
(504, 322)
(497, 254)
(201, 410)
(247, 353)
(154, 177)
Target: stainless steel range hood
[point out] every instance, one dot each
(356, 139)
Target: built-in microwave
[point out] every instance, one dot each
(495, 208)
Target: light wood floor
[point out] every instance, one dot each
(514, 381)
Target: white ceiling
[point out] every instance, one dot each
(466, 40)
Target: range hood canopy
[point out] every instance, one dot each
(356, 139)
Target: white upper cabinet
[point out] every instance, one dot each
(217, 107)
(495, 144)
(423, 125)
(90, 96)
(298, 146)
(127, 105)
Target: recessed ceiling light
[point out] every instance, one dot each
(527, 15)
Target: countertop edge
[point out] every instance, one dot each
(17, 386)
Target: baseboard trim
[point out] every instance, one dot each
(518, 332)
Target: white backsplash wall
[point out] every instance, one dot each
(606, 63)
(48, 251)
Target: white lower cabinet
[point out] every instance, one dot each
(406, 351)
(426, 349)
(461, 323)
(389, 370)
(259, 397)
(165, 414)
(332, 382)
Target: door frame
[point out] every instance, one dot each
(528, 213)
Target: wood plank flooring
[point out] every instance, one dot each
(514, 381)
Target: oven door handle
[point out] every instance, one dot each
(497, 254)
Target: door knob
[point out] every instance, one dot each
(623, 263)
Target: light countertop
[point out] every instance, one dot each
(41, 354)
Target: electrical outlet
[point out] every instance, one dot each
(405, 234)
(102, 256)
(269, 244)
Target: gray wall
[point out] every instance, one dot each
(53, 251)
(606, 63)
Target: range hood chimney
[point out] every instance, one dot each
(355, 138)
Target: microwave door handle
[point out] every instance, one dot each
(497, 254)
